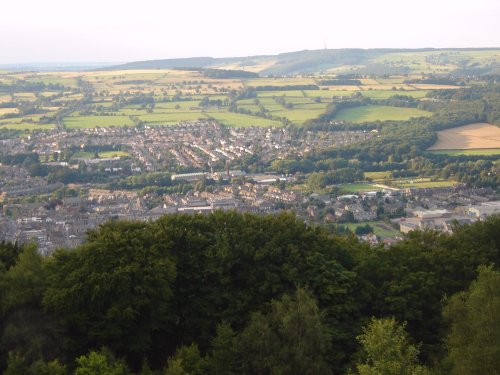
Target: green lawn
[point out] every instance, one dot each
(104, 154)
(88, 122)
(371, 113)
(239, 120)
(484, 152)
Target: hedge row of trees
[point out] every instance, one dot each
(229, 293)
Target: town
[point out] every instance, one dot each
(203, 167)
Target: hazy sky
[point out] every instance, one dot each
(124, 30)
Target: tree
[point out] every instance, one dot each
(223, 359)
(290, 340)
(17, 365)
(386, 350)
(114, 290)
(474, 338)
(25, 328)
(186, 361)
(101, 363)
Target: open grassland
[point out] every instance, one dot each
(468, 137)
(89, 122)
(169, 118)
(287, 93)
(472, 152)
(371, 113)
(299, 115)
(182, 105)
(26, 126)
(385, 94)
(239, 120)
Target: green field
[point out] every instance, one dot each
(183, 105)
(298, 115)
(386, 94)
(370, 113)
(287, 93)
(378, 176)
(380, 228)
(103, 154)
(421, 183)
(171, 117)
(480, 152)
(239, 120)
(89, 122)
(357, 187)
(279, 81)
(26, 126)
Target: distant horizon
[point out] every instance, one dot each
(70, 63)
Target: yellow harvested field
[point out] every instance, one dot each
(381, 86)
(474, 136)
(428, 86)
(133, 71)
(4, 111)
(345, 88)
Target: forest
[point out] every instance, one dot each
(231, 293)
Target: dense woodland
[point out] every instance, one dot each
(232, 293)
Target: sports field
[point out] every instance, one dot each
(103, 154)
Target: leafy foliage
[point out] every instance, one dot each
(231, 293)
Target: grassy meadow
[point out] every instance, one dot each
(371, 113)
(89, 122)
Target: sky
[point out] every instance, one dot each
(35, 31)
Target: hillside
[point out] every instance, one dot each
(353, 61)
